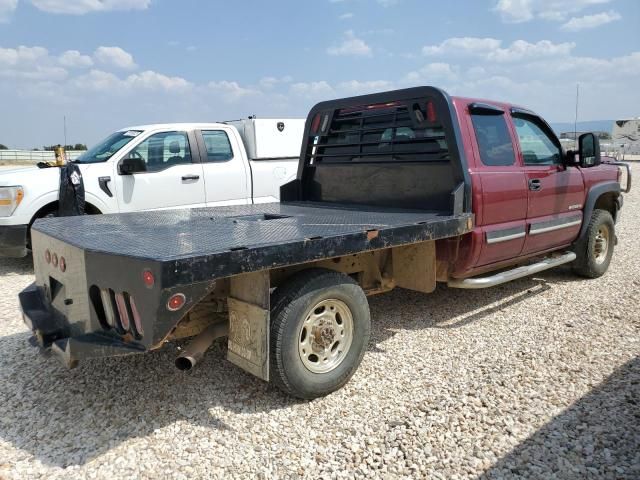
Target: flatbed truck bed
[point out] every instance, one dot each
(218, 242)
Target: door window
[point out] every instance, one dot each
(217, 145)
(163, 150)
(537, 146)
(494, 141)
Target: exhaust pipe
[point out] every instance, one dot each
(199, 345)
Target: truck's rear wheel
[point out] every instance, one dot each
(320, 327)
(595, 250)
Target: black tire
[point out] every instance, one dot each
(291, 305)
(48, 213)
(592, 258)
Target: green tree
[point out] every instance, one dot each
(3, 147)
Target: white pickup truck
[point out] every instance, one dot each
(160, 166)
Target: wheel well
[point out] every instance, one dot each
(53, 207)
(607, 201)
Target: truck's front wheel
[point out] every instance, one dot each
(320, 327)
(595, 250)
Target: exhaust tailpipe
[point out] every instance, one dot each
(199, 345)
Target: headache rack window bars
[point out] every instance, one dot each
(396, 133)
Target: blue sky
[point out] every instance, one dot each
(106, 64)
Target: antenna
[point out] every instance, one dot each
(64, 120)
(575, 122)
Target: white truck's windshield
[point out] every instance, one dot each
(104, 150)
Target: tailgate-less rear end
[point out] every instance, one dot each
(87, 304)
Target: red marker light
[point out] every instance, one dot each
(63, 264)
(431, 112)
(54, 260)
(315, 124)
(176, 302)
(148, 279)
(47, 256)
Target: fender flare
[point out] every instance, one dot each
(593, 195)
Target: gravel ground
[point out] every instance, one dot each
(538, 378)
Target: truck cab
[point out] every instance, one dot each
(529, 197)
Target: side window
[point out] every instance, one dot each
(494, 141)
(537, 147)
(164, 150)
(217, 145)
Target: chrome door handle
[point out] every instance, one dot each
(534, 184)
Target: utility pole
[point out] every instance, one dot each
(65, 129)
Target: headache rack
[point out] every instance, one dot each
(403, 132)
(394, 149)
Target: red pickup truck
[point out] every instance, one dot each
(398, 189)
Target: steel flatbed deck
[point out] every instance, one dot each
(207, 243)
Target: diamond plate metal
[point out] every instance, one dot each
(172, 234)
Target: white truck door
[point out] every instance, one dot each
(226, 169)
(173, 177)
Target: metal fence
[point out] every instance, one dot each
(34, 156)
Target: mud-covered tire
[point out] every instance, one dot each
(294, 307)
(595, 249)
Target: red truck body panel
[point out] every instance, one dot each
(512, 221)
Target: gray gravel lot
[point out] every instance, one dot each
(538, 378)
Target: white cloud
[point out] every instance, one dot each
(231, 91)
(433, 73)
(157, 81)
(74, 59)
(518, 11)
(7, 7)
(312, 89)
(521, 50)
(100, 81)
(356, 87)
(109, 83)
(345, 16)
(590, 21)
(21, 55)
(462, 45)
(80, 7)
(491, 49)
(114, 57)
(268, 83)
(352, 45)
(29, 63)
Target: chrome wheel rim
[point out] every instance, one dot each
(601, 245)
(325, 336)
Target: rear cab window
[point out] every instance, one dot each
(494, 142)
(217, 145)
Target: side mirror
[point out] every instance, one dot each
(588, 150)
(131, 165)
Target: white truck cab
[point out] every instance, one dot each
(160, 166)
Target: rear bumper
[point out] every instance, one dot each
(52, 332)
(13, 241)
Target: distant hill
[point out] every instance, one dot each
(591, 126)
